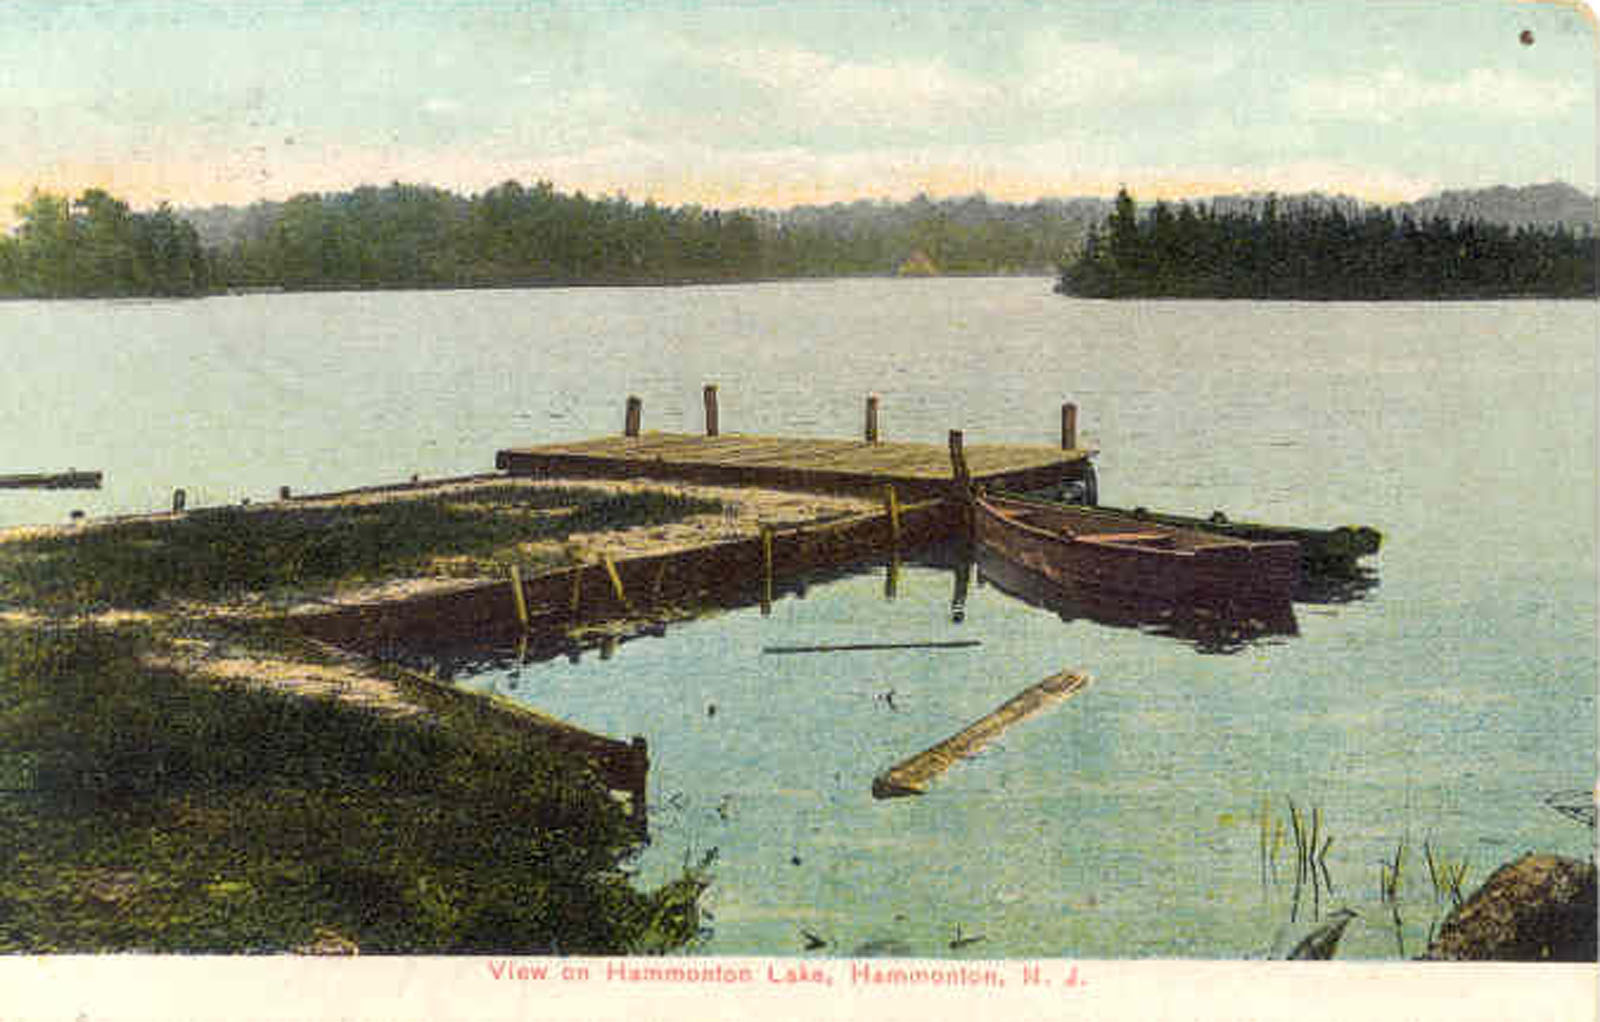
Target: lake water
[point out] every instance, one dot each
(1441, 706)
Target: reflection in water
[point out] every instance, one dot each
(1336, 587)
(1212, 628)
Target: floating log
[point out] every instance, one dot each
(69, 480)
(912, 776)
(857, 646)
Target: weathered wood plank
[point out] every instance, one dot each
(912, 776)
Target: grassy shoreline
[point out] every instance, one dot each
(148, 805)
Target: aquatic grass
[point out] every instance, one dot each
(1311, 846)
(1445, 875)
(1390, 874)
(162, 813)
(223, 553)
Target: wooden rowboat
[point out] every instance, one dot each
(1083, 548)
(1322, 551)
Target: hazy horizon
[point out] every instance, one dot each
(768, 105)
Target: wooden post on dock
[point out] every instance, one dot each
(179, 499)
(711, 409)
(872, 419)
(283, 493)
(630, 426)
(1069, 426)
(958, 462)
(577, 587)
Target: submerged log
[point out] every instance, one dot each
(912, 776)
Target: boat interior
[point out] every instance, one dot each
(1086, 523)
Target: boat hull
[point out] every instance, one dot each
(1088, 549)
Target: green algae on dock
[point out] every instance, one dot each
(912, 776)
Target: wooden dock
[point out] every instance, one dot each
(828, 465)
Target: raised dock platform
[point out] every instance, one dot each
(829, 465)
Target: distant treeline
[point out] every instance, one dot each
(1322, 251)
(94, 246)
(417, 236)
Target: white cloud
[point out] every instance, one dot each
(1067, 73)
(818, 90)
(1392, 94)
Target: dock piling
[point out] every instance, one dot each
(892, 505)
(635, 414)
(711, 409)
(871, 429)
(958, 462)
(1069, 426)
(766, 569)
(517, 597)
(179, 500)
(616, 579)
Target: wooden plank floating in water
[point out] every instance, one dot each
(70, 480)
(912, 776)
(857, 646)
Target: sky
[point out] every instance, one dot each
(775, 104)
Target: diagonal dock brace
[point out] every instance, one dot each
(912, 776)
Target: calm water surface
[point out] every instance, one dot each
(1441, 706)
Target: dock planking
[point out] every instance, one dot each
(806, 463)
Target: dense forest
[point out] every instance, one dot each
(1323, 250)
(406, 235)
(95, 246)
(418, 236)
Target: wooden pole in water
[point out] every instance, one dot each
(577, 587)
(711, 409)
(1069, 426)
(630, 426)
(283, 493)
(179, 499)
(892, 503)
(872, 419)
(517, 596)
(766, 569)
